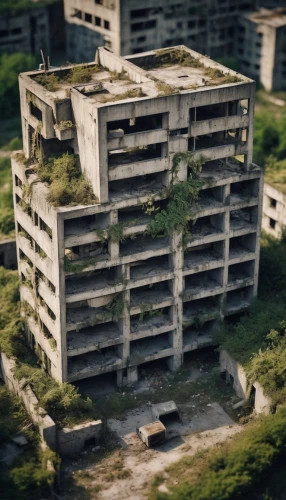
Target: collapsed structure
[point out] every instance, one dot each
(122, 266)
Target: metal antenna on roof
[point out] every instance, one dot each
(46, 65)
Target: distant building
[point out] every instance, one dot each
(261, 47)
(130, 27)
(274, 210)
(33, 27)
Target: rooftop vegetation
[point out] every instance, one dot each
(61, 401)
(128, 94)
(75, 75)
(67, 183)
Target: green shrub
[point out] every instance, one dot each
(7, 223)
(67, 184)
(233, 470)
(13, 145)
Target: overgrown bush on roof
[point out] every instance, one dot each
(77, 74)
(67, 183)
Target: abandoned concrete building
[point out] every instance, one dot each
(127, 27)
(101, 293)
(30, 28)
(261, 47)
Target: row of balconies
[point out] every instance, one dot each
(87, 356)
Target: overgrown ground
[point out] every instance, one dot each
(27, 476)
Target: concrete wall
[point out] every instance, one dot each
(274, 211)
(262, 403)
(72, 441)
(8, 255)
(66, 441)
(46, 425)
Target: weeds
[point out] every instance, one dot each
(129, 94)
(78, 74)
(166, 89)
(67, 184)
(65, 125)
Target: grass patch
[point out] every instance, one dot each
(166, 89)
(129, 94)
(167, 57)
(61, 401)
(232, 470)
(27, 477)
(67, 183)
(7, 224)
(77, 74)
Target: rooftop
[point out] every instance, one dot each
(150, 74)
(275, 17)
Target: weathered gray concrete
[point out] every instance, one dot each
(127, 27)
(171, 296)
(260, 46)
(66, 441)
(274, 211)
(262, 403)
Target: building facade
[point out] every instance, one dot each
(126, 27)
(100, 292)
(274, 211)
(32, 28)
(261, 47)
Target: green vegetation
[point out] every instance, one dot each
(61, 401)
(257, 341)
(77, 74)
(67, 183)
(166, 89)
(275, 173)
(28, 476)
(129, 94)
(7, 224)
(180, 198)
(269, 136)
(12, 6)
(65, 125)
(13, 145)
(233, 470)
(10, 67)
(166, 57)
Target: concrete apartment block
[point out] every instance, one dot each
(25, 31)
(127, 27)
(171, 295)
(274, 211)
(261, 47)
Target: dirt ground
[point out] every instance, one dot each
(124, 468)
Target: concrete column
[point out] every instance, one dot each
(226, 242)
(177, 309)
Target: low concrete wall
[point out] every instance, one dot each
(65, 441)
(72, 441)
(262, 403)
(47, 426)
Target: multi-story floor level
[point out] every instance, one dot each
(274, 209)
(128, 27)
(261, 47)
(100, 293)
(30, 27)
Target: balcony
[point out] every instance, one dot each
(203, 257)
(93, 363)
(93, 338)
